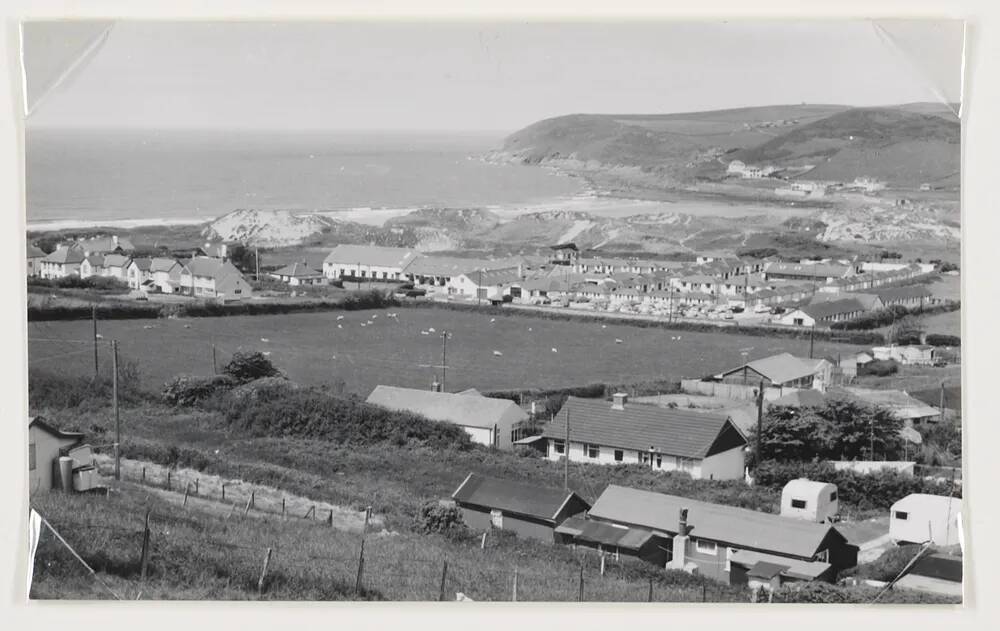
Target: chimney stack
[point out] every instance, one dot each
(618, 400)
(683, 527)
(114, 238)
(679, 560)
(435, 386)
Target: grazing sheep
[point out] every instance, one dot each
(498, 353)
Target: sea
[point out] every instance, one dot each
(78, 178)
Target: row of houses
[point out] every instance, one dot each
(206, 274)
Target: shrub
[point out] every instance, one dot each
(523, 451)
(889, 564)
(437, 517)
(245, 366)
(936, 339)
(189, 390)
(879, 368)
(51, 390)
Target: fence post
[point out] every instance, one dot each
(282, 507)
(704, 588)
(482, 546)
(223, 490)
(361, 567)
(263, 573)
(168, 479)
(186, 487)
(329, 519)
(144, 475)
(602, 565)
(514, 596)
(249, 503)
(444, 576)
(649, 598)
(581, 583)
(144, 559)
(197, 485)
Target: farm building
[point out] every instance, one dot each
(488, 421)
(45, 444)
(368, 261)
(705, 445)
(871, 302)
(614, 540)
(521, 507)
(935, 574)
(726, 543)
(297, 273)
(824, 313)
(918, 518)
(809, 500)
(439, 270)
(780, 371)
(61, 262)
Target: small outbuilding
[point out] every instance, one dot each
(524, 508)
(809, 500)
(46, 443)
(919, 517)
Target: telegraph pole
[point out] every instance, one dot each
(444, 360)
(566, 455)
(93, 315)
(760, 423)
(256, 261)
(812, 329)
(479, 289)
(941, 405)
(114, 404)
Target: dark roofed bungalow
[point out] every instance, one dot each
(601, 432)
(522, 507)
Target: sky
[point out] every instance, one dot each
(342, 76)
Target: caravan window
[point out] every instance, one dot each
(833, 496)
(901, 515)
(798, 503)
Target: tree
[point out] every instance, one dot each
(243, 257)
(905, 330)
(862, 428)
(247, 366)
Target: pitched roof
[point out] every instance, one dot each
(297, 270)
(493, 276)
(96, 260)
(832, 308)
(801, 399)
(903, 293)
(780, 368)
(65, 254)
(448, 407)
(105, 244)
(522, 498)
(448, 265)
(736, 527)
(215, 268)
(818, 270)
(33, 252)
(142, 263)
(41, 423)
(605, 534)
(162, 264)
(793, 568)
(372, 255)
(639, 426)
(116, 260)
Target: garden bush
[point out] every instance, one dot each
(887, 566)
(878, 368)
(440, 518)
(246, 366)
(192, 390)
(937, 339)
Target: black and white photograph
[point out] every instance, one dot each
(662, 311)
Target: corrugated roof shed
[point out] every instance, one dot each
(780, 368)
(832, 308)
(461, 409)
(728, 525)
(639, 426)
(522, 498)
(907, 292)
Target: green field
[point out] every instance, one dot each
(317, 348)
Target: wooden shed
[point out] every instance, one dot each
(526, 509)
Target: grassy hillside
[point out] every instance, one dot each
(901, 147)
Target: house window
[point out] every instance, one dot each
(659, 461)
(496, 518)
(619, 455)
(558, 446)
(833, 496)
(706, 547)
(593, 451)
(798, 503)
(797, 321)
(901, 515)
(31, 456)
